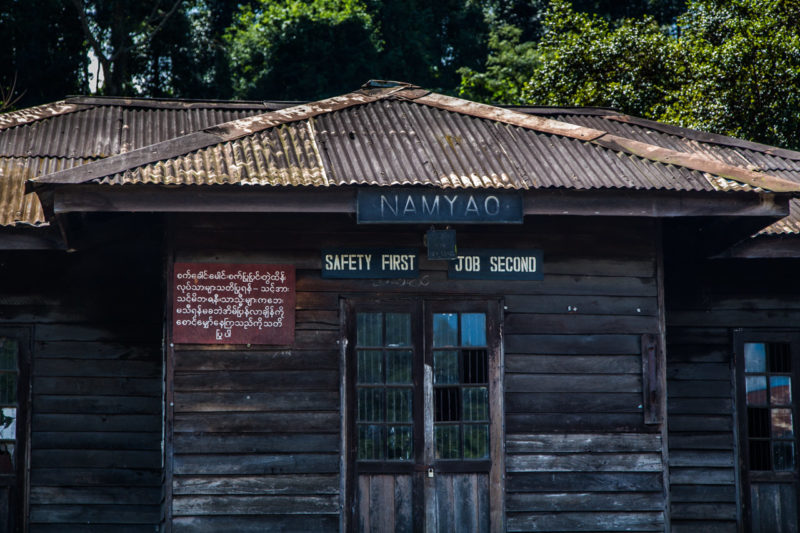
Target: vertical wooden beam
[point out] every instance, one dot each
(168, 374)
(345, 498)
(497, 436)
(661, 371)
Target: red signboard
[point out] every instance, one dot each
(224, 303)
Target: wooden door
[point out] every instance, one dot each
(422, 379)
(768, 368)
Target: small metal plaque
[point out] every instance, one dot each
(223, 303)
(497, 264)
(441, 244)
(422, 205)
(370, 263)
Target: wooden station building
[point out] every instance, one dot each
(393, 310)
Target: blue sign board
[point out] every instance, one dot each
(420, 205)
(497, 264)
(370, 263)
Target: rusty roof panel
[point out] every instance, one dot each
(104, 131)
(16, 207)
(786, 225)
(397, 142)
(39, 112)
(743, 157)
(285, 155)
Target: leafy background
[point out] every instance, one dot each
(726, 66)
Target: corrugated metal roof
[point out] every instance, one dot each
(285, 155)
(390, 140)
(104, 131)
(393, 142)
(787, 225)
(47, 138)
(16, 207)
(396, 142)
(733, 155)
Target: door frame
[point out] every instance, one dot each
(742, 336)
(494, 330)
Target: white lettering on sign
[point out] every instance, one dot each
(395, 262)
(349, 262)
(237, 304)
(456, 205)
(512, 264)
(468, 263)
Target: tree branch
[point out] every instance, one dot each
(96, 45)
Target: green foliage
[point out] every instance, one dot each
(743, 58)
(728, 66)
(586, 61)
(305, 49)
(295, 49)
(508, 67)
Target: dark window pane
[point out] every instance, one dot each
(445, 329)
(780, 357)
(446, 438)
(370, 366)
(398, 366)
(446, 404)
(9, 348)
(370, 405)
(783, 454)
(370, 442)
(758, 422)
(475, 366)
(760, 455)
(445, 367)
(476, 441)
(755, 358)
(782, 423)
(780, 390)
(399, 443)
(476, 403)
(398, 405)
(398, 329)
(473, 329)
(8, 388)
(756, 389)
(369, 329)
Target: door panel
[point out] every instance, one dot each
(462, 502)
(385, 503)
(419, 396)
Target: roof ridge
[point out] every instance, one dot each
(610, 141)
(220, 133)
(39, 112)
(239, 128)
(703, 136)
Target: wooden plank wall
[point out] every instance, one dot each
(257, 432)
(95, 460)
(706, 302)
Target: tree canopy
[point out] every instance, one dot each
(726, 66)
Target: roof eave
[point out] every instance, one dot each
(342, 199)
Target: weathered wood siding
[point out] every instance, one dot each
(95, 316)
(706, 302)
(256, 436)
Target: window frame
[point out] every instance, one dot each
(746, 476)
(20, 479)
